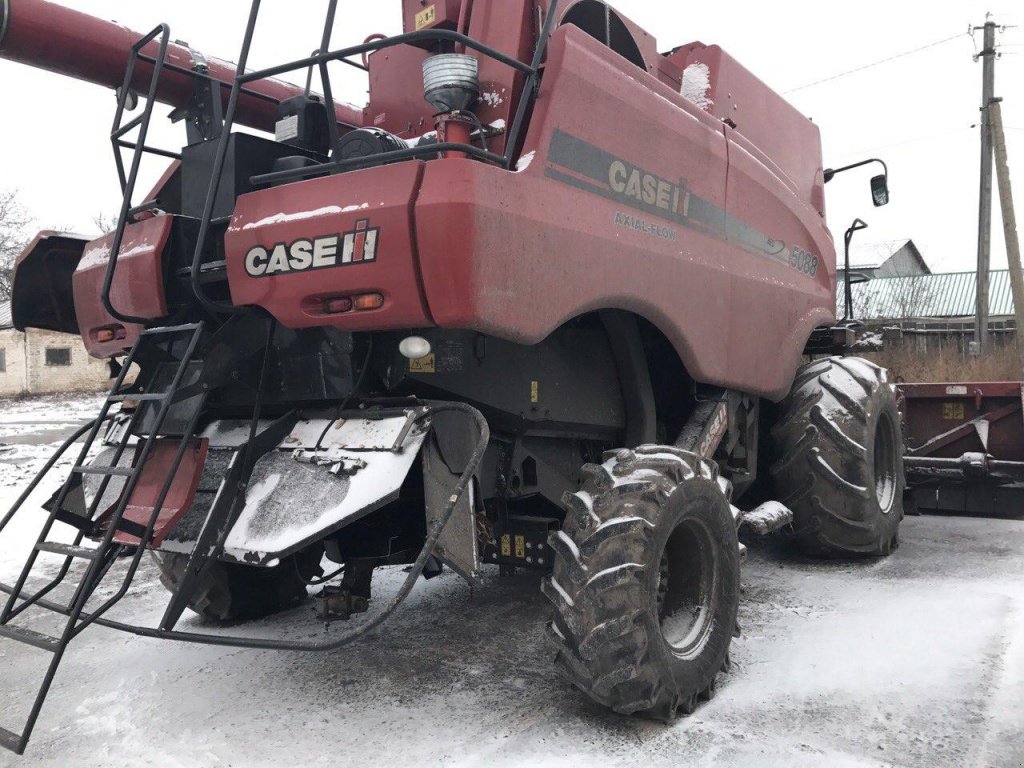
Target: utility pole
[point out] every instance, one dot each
(1009, 223)
(988, 57)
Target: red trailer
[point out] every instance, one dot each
(965, 447)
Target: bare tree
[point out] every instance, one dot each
(14, 222)
(105, 222)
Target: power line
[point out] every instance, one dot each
(910, 141)
(875, 63)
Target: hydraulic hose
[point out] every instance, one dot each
(433, 408)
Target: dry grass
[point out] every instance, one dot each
(908, 362)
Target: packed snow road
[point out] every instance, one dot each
(917, 660)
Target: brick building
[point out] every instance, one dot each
(43, 362)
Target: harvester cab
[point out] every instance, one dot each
(537, 306)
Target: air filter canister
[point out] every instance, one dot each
(451, 81)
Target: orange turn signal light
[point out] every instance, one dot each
(368, 301)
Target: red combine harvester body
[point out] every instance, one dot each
(536, 306)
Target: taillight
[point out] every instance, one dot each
(368, 301)
(337, 305)
(109, 333)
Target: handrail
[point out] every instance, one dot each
(139, 147)
(321, 60)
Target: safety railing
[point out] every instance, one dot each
(335, 164)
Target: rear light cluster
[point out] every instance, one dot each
(109, 333)
(362, 302)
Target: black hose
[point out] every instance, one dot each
(316, 582)
(415, 572)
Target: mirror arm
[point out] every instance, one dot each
(831, 172)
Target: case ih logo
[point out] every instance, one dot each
(355, 247)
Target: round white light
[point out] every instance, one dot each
(414, 347)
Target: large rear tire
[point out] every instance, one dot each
(232, 592)
(839, 449)
(645, 584)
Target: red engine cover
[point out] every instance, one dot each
(301, 250)
(138, 287)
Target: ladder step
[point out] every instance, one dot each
(112, 471)
(171, 329)
(140, 397)
(10, 740)
(30, 637)
(68, 550)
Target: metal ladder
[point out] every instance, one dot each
(138, 146)
(184, 339)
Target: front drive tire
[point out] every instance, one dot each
(839, 449)
(645, 585)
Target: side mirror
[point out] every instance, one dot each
(880, 190)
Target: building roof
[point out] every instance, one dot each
(871, 255)
(6, 320)
(949, 294)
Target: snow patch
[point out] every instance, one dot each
(697, 85)
(498, 125)
(492, 98)
(283, 218)
(415, 142)
(100, 255)
(524, 161)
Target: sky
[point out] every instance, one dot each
(918, 112)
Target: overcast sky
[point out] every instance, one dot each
(916, 112)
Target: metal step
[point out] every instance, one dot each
(69, 550)
(30, 637)
(103, 470)
(10, 740)
(120, 398)
(171, 329)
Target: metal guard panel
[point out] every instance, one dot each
(290, 504)
(290, 248)
(42, 294)
(137, 289)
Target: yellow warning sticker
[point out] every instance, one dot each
(952, 411)
(426, 17)
(506, 546)
(534, 392)
(426, 364)
(520, 547)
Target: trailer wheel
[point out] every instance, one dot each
(840, 460)
(645, 584)
(232, 592)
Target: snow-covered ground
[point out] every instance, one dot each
(917, 660)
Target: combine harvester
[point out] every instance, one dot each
(543, 304)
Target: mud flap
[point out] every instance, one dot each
(457, 546)
(310, 487)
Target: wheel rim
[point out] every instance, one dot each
(885, 463)
(686, 586)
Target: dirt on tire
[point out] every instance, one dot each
(610, 586)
